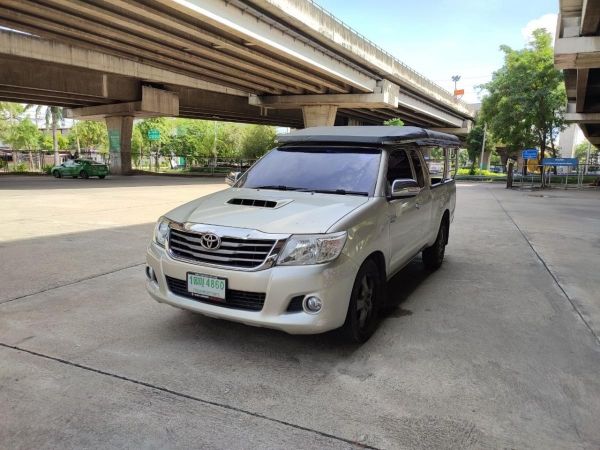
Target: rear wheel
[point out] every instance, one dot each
(102, 177)
(56, 174)
(365, 300)
(433, 256)
(83, 174)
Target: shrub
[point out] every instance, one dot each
(47, 169)
(21, 168)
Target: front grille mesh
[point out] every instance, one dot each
(233, 252)
(250, 301)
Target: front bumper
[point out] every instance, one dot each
(331, 282)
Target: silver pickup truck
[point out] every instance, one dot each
(307, 238)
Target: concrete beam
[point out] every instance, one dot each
(590, 17)
(577, 52)
(582, 118)
(61, 80)
(324, 28)
(385, 96)
(154, 103)
(226, 16)
(425, 109)
(455, 131)
(51, 52)
(581, 89)
(319, 115)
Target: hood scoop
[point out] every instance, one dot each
(258, 202)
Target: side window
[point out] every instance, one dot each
(398, 167)
(418, 168)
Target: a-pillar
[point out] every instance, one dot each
(319, 115)
(119, 143)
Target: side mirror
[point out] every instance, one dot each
(405, 188)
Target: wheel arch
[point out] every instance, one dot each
(379, 259)
(446, 221)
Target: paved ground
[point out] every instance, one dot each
(498, 349)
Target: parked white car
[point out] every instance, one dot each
(307, 238)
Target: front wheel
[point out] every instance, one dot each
(365, 300)
(83, 174)
(102, 177)
(57, 174)
(433, 256)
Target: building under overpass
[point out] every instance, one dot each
(280, 62)
(577, 52)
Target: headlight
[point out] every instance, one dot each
(312, 249)
(161, 231)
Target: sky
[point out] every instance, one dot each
(442, 38)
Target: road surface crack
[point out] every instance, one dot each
(188, 396)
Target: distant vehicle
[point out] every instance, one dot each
(307, 239)
(232, 177)
(80, 168)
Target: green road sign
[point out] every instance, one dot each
(154, 134)
(114, 140)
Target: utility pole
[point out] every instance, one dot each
(456, 79)
(482, 146)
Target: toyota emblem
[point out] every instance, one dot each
(210, 241)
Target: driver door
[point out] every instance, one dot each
(405, 214)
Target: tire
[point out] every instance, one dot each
(433, 256)
(365, 301)
(83, 174)
(57, 174)
(102, 177)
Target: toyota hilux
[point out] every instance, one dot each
(307, 238)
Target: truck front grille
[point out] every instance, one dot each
(233, 252)
(250, 301)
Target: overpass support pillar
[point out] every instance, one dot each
(486, 159)
(119, 143)
(319, 115)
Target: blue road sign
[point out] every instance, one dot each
(560, 162)
(530, 153)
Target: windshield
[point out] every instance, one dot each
(335, 170)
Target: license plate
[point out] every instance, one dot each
(206, 286)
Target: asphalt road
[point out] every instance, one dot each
(497, 349)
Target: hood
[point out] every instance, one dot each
(285, 211)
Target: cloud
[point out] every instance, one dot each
(547, 21)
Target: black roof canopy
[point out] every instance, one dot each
(369, 135)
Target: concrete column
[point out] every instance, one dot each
(354, 122)
(319, 115)
(486, 159)
(119, 143)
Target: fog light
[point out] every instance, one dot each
(312, 305)
(150, 274)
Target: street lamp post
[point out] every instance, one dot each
(456, 79)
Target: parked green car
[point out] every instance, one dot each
(80, 168)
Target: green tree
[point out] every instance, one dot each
(474, 143)
(526, 98)
(397, 122)
(257, 140)
(24, 136)
(89, 135)
(581, 152)
(151, 147)
(53, 116)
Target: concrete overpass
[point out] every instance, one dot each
(577, 52)
(283, 62)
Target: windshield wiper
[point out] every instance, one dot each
(278, 187)
(338, 192)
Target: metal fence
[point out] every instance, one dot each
(561, 177)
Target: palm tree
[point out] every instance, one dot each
(53, 115)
